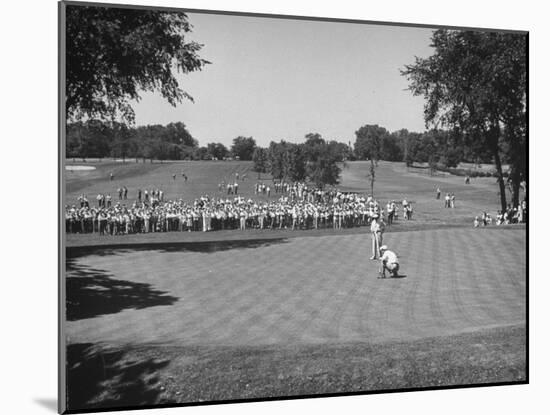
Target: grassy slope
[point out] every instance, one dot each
(147, 374)
(393, 181)
(136, 375)
(203, 177)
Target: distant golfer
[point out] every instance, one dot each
(388, 261)
(174, 176)
(111, 176)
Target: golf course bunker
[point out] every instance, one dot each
(307, 290)
(79, 168)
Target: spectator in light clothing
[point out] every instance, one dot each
(389, 209)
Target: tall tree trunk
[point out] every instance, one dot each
(372, 177)
(493, 140)
(518, 167)
(515, 189)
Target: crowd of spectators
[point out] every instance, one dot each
(509, 216)
(295, 206)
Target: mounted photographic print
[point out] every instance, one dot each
(258, 207)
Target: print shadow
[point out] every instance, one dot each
(200, 247)
(47, 403)
(92, 292)
(106, 378)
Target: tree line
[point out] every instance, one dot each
(100, 139)
(474, 85)
(438, 148)
(316, 160)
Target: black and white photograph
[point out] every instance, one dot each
(257, 207)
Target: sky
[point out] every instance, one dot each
(276, 79)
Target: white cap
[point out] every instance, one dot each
(384, 248)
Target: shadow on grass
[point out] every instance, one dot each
(93, 292)
(392, 277)
(199, 246)
(108, 378)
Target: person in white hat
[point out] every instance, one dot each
(377, 228)
(388, 261)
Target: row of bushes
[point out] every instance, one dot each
(470, 172)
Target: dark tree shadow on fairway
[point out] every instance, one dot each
(109, 378)
(199, 246)
(92, 292)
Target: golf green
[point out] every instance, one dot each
(299, 290)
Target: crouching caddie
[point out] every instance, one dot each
(388, 261)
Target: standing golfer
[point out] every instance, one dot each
(376, 228)
(388, 261)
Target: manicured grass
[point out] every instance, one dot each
(163, 238)
(187, 317)
(296, 290)
(393, 182)
(107, 377)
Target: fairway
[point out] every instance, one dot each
(394, 181)
(252, 210)
(300, 290)
(196, 316)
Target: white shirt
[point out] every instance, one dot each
(389, 257)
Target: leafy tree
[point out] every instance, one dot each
(390, 148)
(177, 133)
(121, 137)
(296, 162)
(401, 137)
(260, 159)
(368, 144)
(475, 82)
(92, 138)
(341, 150)
(243, 147)
(201, 153)
(322, 160)
(134, 146)
(114, 53)
(217, 150)
(275, 156)
(322, 167)
(450, 148)
(147, 136)
(313, 140)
